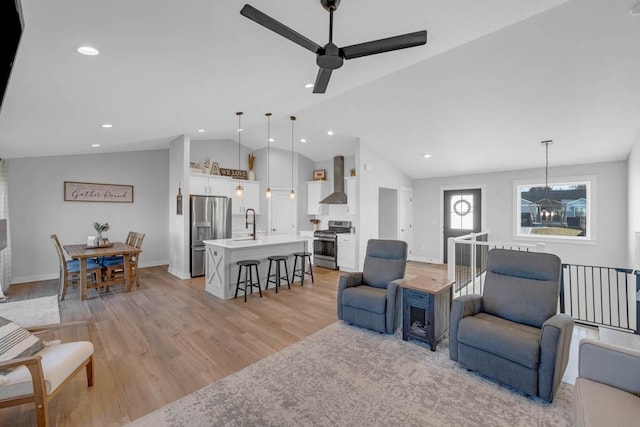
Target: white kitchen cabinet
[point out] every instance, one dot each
(207, 185)
(350, 189)
(250, 197)
(316, 191)
(308, 234)
(347, 252)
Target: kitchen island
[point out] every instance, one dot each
(221, 256)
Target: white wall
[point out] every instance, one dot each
(388, 214)
(609, 249)
(633, 197)
(37, 207)
(178, 242)
(379, 174)
(334, 212)
(222, 151)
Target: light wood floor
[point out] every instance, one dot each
(169, 338)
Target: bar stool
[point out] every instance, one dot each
(304, 256)
(248, 272)
(278, 276)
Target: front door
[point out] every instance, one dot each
(462, 214)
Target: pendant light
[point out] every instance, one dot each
(293, 192)
(268, 192)
(239, 186)
(548, 207)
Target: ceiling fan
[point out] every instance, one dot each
(330, 57)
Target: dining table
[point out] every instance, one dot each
(82, 252)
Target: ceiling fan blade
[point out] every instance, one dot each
(275, 26)
(322, 80)
(384, 45)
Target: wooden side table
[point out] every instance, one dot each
(426, 304)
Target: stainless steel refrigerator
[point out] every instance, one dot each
(210, 219)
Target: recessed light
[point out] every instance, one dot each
(88, 50)
(107, 125)
(308, 86)
(304, 141)
(426, 156)
(200, 130)
(330, 133)
(95, 145)
(271, 140)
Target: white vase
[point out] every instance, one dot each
(251, 176)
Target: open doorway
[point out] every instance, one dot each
(387, 213)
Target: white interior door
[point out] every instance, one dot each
(282, 213)
(405, 222)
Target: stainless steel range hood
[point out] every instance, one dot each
(338, 197)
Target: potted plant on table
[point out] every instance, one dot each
(101, 228)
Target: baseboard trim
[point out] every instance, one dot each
(55, 276)
(179, 274)
(426, 260)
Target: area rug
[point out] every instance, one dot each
(346, 376)
(32, 312)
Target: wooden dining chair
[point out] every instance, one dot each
(114, 267)
(70, 270)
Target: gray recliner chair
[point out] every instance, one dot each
(512, 333)
(371, 298)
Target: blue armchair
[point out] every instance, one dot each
(512, 333)
(371, 298)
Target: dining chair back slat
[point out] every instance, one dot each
(70, 270)
(115, 267)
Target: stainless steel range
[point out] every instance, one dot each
(325, 244)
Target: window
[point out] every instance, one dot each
(461, 212)
(560, 211)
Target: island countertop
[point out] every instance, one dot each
(248, 242)
(222, 256)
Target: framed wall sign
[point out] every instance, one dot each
(319, 175)
(234, 173)
(94, 192)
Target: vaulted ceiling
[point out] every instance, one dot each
(494, 79)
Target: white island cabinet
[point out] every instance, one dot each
(221, 270)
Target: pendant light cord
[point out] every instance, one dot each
(293, 119)
(546, 168)
(239, 114)
(268, 150)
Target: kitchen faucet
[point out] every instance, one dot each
(246, 221)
